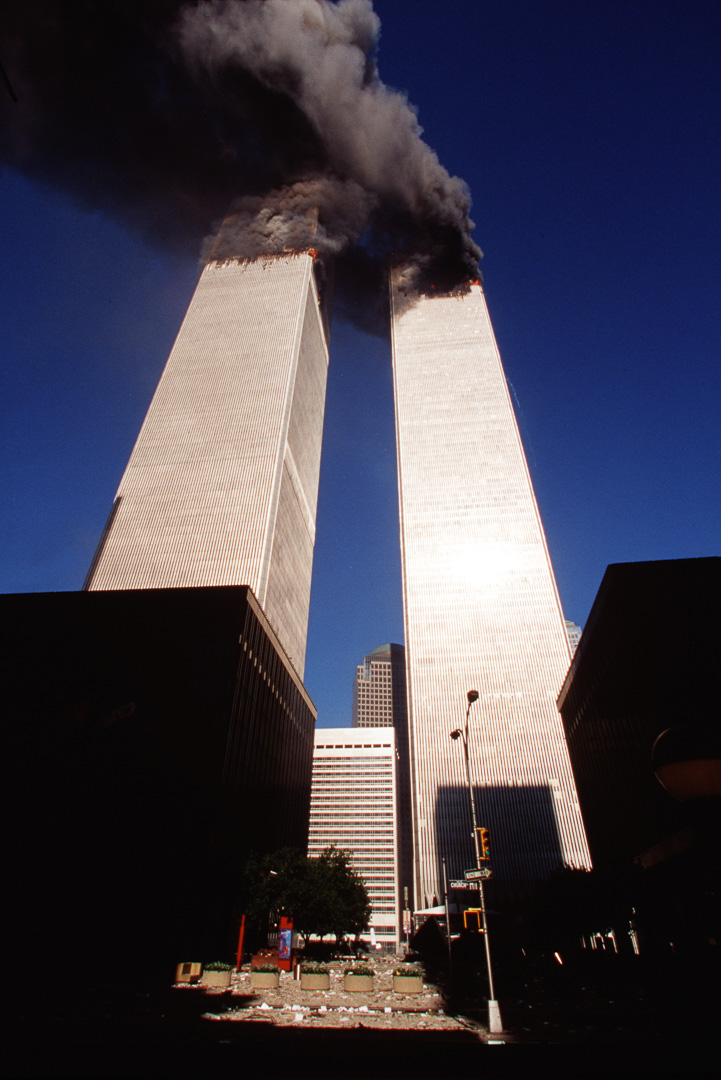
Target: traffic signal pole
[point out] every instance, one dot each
(495, 1024)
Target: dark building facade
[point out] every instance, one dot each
(649, 660)
(158, 737)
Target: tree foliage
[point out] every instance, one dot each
(323, 895)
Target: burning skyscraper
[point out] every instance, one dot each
(481, 606)
(222, 485)
(278, 109)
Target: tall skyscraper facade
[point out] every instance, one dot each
(481, 607)
(221, 487)
(353, 805)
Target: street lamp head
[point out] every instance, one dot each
(472, 696)
(456, 734)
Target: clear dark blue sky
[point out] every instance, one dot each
(590, 137)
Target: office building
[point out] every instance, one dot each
(481, 607)
(379, 699)
(573, 632)
(647, 662)
(353, 807)
(640, 710)
(221, 487)
(156, 738)
(379, 688)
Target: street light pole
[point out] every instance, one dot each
(495, 1024)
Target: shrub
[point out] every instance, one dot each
(266, 969)
(218, 965)
(310, 967)
(406, 972)
(359, 969)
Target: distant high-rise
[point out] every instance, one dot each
(573, 633)
(481, 607)
(221, 487)
(379, 688)
(353, 806)
(380, 700)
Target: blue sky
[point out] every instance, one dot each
(590, 137)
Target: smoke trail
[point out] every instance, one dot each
(166, 114)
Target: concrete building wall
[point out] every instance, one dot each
(287, 595)
(222, 484)
(481, 607)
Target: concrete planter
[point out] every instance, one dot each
(216, 978)
(408, 984)
(188, 973)
(358, 984)
(315, 982)
(264, 980)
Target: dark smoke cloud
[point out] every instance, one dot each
(169, 114)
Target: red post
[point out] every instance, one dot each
(241, 935)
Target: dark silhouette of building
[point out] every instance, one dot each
(157, 737)
(649, 661)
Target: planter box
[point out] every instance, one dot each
(358, 984)
(408, 984)
(264, 980)
(188, 973)
(315, 982)
(216, 978)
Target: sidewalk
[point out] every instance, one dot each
(291, 1006)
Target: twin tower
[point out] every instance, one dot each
(221, 489)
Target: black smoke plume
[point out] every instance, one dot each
(168, 114)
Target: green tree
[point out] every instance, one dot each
(324, 895)
(273, 884)
(337, 900)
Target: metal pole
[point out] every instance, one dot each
(495, 1024)
(448, 920)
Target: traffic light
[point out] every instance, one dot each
(484, 844)
(472, 920)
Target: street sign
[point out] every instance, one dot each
(461, 885)
(477, 875)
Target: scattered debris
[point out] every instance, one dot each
(381, 1008)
